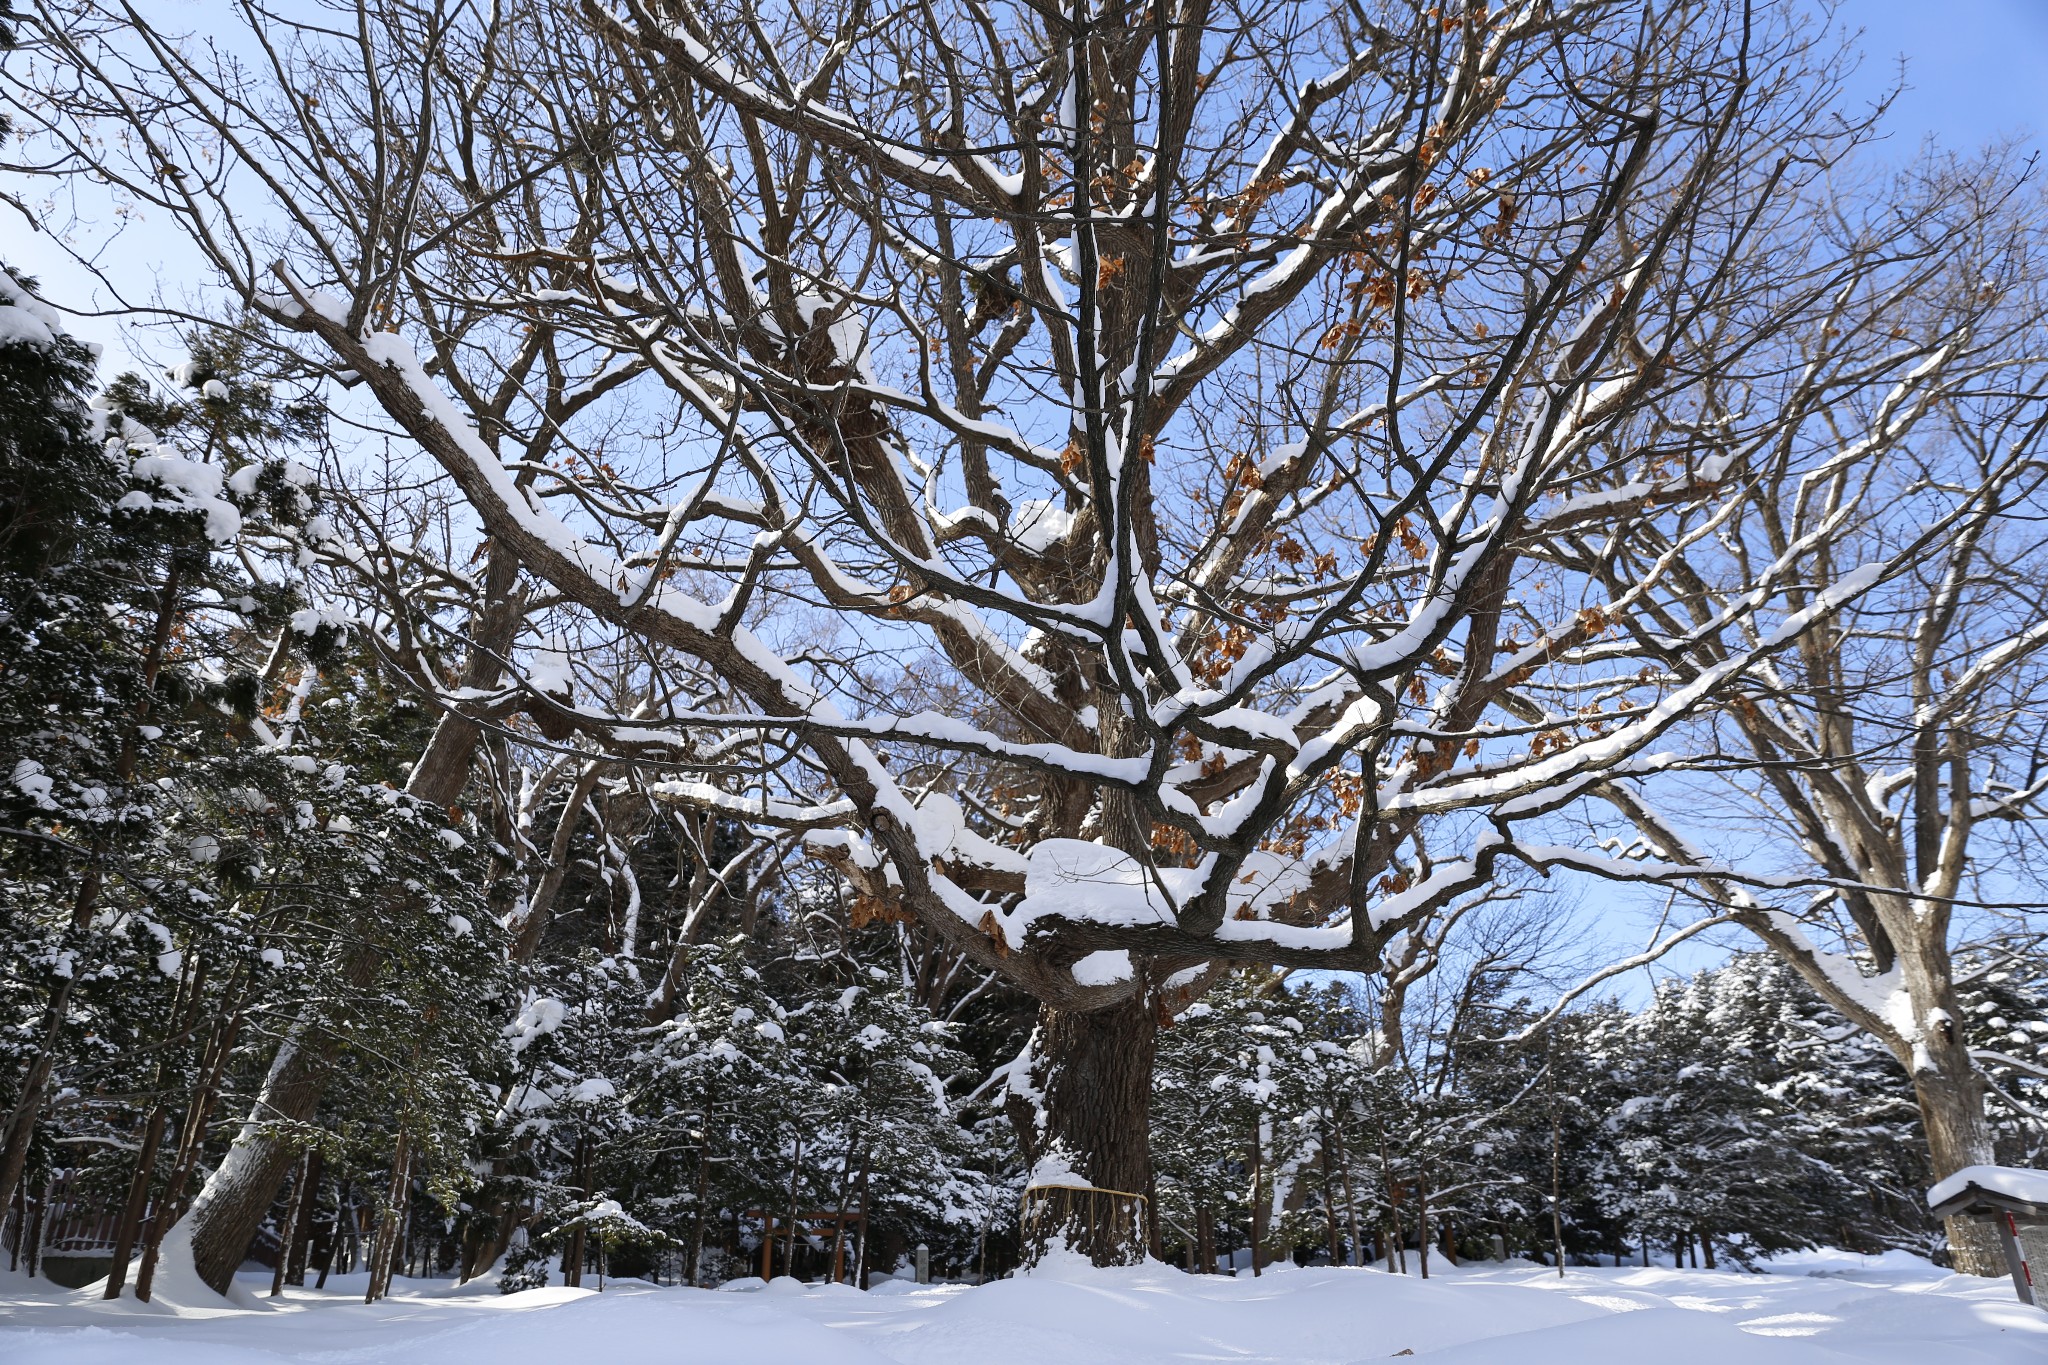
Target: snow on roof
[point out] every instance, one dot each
(2015, 1183)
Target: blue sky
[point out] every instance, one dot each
(1976, 67)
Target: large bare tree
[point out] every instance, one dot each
(1210, 401)
(1893, 761)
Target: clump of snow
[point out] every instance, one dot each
(33, 781)
(1039, 525)
(543, 1015)
(171, 483)
(549, 671)
(1104, 968)
(590, 1090)
(1055, 1169)
(1079, 880)
(309, 621)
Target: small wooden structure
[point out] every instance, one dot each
(2012, 1199)
(66, 1233)
(840, 1224)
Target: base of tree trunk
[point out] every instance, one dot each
(1951, 1100)
(1085, 1128)
(1974, 1248)
(1106, 1226)
(239, 1194)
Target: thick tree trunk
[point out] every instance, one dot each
(1946, 1087)
(238, 1195)
(1088, 1134)
(1952, 1113)
(1949, 1091)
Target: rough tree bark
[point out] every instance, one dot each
(1088, 1132)
(1951, 1098)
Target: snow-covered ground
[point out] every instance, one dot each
(1810, 1310)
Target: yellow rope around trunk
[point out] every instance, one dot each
(1024, 1202)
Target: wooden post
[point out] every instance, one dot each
(333, 1244)
(35, 1229)
(860, 1268)
(1258, 1203)
(20, 1225)
(1351, 1214)
(839, 1221)
(703, 1211)
(1556, 1153)
(1329, 1196)
(1155, 1239)
(1422, 1223)
(2015, 1258)
(795, 1174)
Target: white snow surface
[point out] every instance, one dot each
(2014, 1182)
(1825, 1308)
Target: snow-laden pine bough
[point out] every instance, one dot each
(1137, 490)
